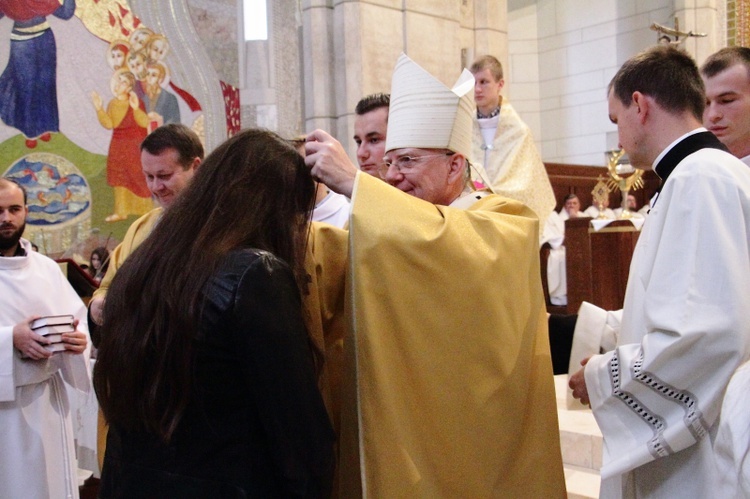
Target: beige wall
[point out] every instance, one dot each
(324, 55)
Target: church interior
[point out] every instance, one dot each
(293, 66)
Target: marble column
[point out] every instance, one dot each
(700, 16)
(350, 48)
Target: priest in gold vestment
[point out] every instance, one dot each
(447, 380)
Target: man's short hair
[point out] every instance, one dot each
(569, 197)
(372, 102)
(667, 75)
(488, 62)
(4, 181)
(174, 136)
(724, 59)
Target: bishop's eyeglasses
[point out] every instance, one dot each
(407, 162)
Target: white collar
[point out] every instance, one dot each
(674, 143)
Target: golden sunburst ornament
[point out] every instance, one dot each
(625, 184)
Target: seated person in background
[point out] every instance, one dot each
(571, 208)
(227, 403)
(98, 263)
(554, 235)
(593, 212)
(632, 206)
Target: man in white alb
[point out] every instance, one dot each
(657, 396)
(37, 453)
(726, 75)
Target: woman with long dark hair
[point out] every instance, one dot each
(205, 373)
(98, 263)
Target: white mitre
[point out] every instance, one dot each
(426, 114)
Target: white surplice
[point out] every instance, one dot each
(37, 455)
(657, 396)
(332, 209)
(732, 444)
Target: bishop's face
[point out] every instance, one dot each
(427, 177)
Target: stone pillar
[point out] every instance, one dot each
(318, 64)
(491, 30)
(700, 17)
(350, 48)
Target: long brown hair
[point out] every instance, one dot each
(253, 191)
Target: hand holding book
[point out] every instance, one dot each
(39, 337)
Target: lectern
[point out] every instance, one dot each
(598, 262)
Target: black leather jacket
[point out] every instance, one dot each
(256, 425)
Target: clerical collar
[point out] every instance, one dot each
(19, 251)
(492, 114)
(681, 148)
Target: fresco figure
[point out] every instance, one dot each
(157, 47)
(117, 54)
(161, 105)
(28, 85)
(136, 63)
(139, 38)
(128, 121)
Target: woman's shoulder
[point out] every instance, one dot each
(243, 265)
(241, 261)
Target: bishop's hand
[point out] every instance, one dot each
(329, 162)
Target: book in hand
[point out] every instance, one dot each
(53, 320)
(52, 327)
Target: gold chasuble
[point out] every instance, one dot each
(325, 264)
(448, 379)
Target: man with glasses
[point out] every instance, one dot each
(448, 388)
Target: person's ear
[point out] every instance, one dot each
(643, 105)
(196, 163)
(457, 168)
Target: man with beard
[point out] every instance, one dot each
(37, 458)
